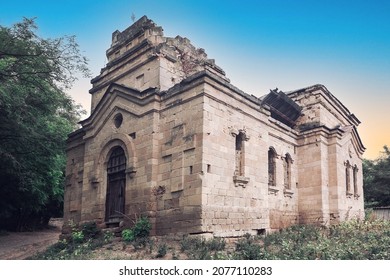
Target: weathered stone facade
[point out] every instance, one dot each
(169, 137)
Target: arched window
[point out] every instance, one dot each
(347, 177)
(116, 184)
(355, 185)
(240, 154)
(271, 167)
(287, 171)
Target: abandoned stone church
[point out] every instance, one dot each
(170, 138)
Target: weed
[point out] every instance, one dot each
(128, 235)
(200, 248)
(108, 236)
(90, 230)
(142, 228)
(162, 250)
(352, 240)
(77, 236)
(247, 249)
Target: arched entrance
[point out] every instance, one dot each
(116, 186)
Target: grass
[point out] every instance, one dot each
(353, 240)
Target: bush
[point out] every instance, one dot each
(90, 230)
(142, 228)
(201, 249)
(77, 236)
(247, 249)
(138, 234)
(162, 250)
(128, 235)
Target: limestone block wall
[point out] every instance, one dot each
(135, 135)
(180, 170)
(312, 180)
(321, 108)
(141, 71)
(234, 205)
(282, 198)
(347, 196)
(74, 180)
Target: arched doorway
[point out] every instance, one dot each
(116, 186)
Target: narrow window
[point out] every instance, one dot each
(347, 178)
(287, 171)
(208, 168)
(271, 167)
(239, 155)
(355, 186)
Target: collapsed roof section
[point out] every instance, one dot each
(282, 107)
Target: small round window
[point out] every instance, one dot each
(118, 119)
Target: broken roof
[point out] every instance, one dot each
(282, 107)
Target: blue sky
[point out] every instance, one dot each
(344, 45)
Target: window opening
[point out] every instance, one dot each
(271, 167)
(355, 186)
(239, 155)
(287, 171)
(118, 119)
(347, 177)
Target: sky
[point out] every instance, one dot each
(261, 45)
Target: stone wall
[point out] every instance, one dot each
(196, 147)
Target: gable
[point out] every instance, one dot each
(119, 99)
(329, 101)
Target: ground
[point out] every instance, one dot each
(20, 245)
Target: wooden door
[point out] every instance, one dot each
(116, 186)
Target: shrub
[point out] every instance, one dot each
(108, 236)
(77, 236)
(90, 230)
(140, 232)
(247, 249)
(162, 250)
(142, 228)
(128, 235)
(200, 248)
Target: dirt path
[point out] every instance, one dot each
(20, 245)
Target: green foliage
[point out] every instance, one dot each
(142, 228)
(35, 118)
(83, 241)
(376, 180)
(90, 230)
(248, 249)
(139, 234)
(77, 236)
(108, 236)
(84, 232)
(128, 235)
(352, 240)
(162, 250)
(201, 248)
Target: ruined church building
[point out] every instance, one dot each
(169, 137)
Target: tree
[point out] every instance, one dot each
(377, 180)
(36, 115)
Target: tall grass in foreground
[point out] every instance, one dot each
(352, 240)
